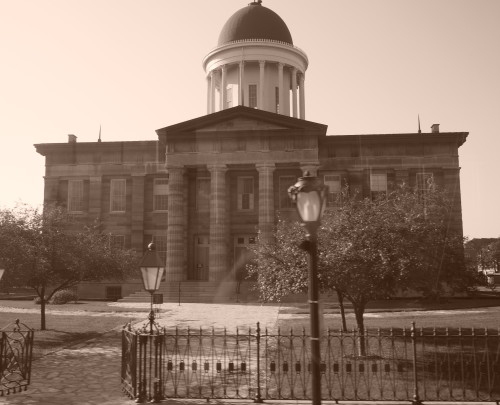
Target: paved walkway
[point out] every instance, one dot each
(89, 373)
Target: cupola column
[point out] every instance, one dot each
(223, 91)
(262, 65)
(294, 92)
(281, 104)
(302, 91)
(241, 100)
(212, 92)
(209, 82)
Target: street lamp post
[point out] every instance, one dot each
(152, 269)
(309, 195)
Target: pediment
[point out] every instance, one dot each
(243, 120)
(241, 124)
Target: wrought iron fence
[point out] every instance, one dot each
(16, 354)
(387, 365)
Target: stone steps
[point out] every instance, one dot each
(189, 291)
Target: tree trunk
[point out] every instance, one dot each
(42, 309)
(340, 298)
(359, 311)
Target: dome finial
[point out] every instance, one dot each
(256, 3)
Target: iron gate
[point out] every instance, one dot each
(16, 353)
(382, 365)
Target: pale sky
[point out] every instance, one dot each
(133, 66)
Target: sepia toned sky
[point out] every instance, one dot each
(130, 66)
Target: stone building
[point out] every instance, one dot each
(204, 188)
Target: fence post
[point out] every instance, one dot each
(258, 398)
(416, 398)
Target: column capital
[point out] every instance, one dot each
(265, 166)
(262, 63)
(217, 167)
(311, 167)
(175, 168)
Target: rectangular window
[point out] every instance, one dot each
(75, 196)
(277, 99)
(424, 183)
(378, 185)
(284, 183)
(229, 96)
(334, 189)
(160, 194)
(252, 95)
(202, 194)
(245, 193)
(118, 195)
(116, 242)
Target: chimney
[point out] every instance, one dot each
(435, 128)
(71, 138)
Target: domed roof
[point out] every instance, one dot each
(255, 22)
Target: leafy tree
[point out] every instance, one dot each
(50, 250)
(370, 249)
(491, 255)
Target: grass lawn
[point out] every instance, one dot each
(465, 313)
(74, 323)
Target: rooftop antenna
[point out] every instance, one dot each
(419, 130)
(99, 140)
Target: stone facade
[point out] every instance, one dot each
(227, 176)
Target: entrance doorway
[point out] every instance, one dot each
(242, 255)
(199, 271)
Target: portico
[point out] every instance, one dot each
(227, 194)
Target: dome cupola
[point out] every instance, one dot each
(256, 64)
(255, 22)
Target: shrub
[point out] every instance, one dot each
(63, 297)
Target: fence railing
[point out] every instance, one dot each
(386, 365)
(16, 354)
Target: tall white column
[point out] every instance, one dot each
(266, 202)
(280, 89)
(212, 92)
(218, 223)
(176, 225)
(262, 65)
(302, 96)
(241, 99)
(223, 91)
(294, 92)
